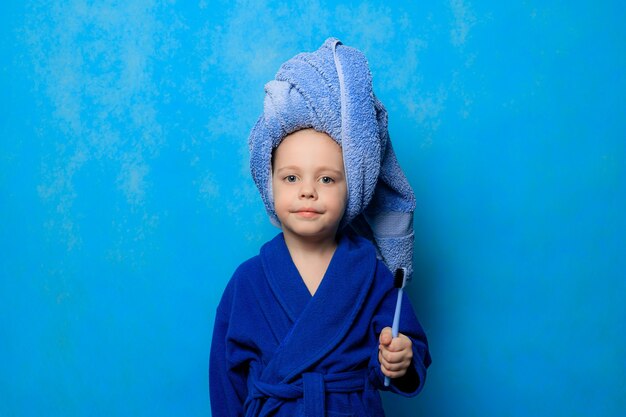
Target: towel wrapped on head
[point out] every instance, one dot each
(330, 90)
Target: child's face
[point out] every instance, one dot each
(309, 185)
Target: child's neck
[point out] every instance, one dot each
(311, 258)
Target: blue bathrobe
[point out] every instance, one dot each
(279, 351)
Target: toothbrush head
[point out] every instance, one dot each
(400, 278)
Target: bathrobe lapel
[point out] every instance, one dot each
(312, 326)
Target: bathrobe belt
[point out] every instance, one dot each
(312, 388)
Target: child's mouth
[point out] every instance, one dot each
(308, 213)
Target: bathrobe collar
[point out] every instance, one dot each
(319, 322)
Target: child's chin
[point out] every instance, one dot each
(313, 233)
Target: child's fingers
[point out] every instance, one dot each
(393, 374)
(385, 336)
(394, 343)
(392, 370)
(400, 343)
(392, 359)
(395, 357)
(394, 367)
(394, 354)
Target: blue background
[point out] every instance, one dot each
(126, 203)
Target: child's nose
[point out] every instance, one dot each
(307, 190)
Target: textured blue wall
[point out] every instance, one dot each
(125, 200)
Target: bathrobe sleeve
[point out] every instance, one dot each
(413, 381)
(227, 373)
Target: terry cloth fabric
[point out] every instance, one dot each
(330, 90)
(279, 351)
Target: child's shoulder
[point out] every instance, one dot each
(251, 269)
(248, 269)
(239, 284)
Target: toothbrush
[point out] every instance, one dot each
(399, 281)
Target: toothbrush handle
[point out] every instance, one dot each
(395, 325)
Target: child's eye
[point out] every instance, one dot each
(291, 178)
(326, 180)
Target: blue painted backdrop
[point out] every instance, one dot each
(125, 199)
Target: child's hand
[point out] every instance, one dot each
(394, 355)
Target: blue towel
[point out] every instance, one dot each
(330, 90)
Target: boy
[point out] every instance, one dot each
(302, 328)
